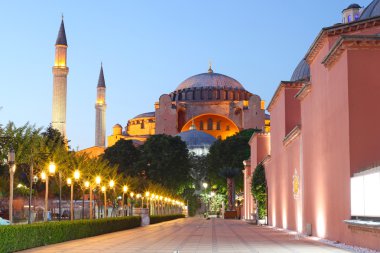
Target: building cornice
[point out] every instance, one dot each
(258, 134)
(283, 84)
(266, 159)
(337, 30)
(306, 89)
(290, 137)
(350, 41)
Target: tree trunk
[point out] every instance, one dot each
(231, 193)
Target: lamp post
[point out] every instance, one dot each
(97, 183)
(112, 185)
(86, 186)
(205, 185)
(125, 189)
(105, 201)
(71, 184)
(44, 176)
(147, 194)
(12, 169)
(132, 202)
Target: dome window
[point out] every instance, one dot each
(209, 124)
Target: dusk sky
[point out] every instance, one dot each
(147, 48)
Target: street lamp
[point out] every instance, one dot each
(97, 183)
(105, 201)
(12, 169)
(86, 186)
(132, 202)
(147, 194)
(44, 176)
(71, 184)
(125, 189)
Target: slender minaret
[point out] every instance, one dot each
(100, 108)
(60, 71)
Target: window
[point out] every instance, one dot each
(201, 125)
(365, 188)
(218, 125)
(142, 125)
(227, 128)
(209, 124)
(349, 18)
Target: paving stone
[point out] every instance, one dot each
(192, 235)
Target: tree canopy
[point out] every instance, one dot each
(229, 153)
(125, 155)
(165, 160)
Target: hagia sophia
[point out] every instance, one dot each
(320, 145)
(213, 103)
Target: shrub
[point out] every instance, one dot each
(19, 237)
(161, 218)
(259, 190)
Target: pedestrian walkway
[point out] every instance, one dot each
(193, 235)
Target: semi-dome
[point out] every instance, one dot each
(302, 72)
(210, 79)
(197, 141)
(372, 10)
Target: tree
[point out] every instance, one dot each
(229, 153)
(165, 160)
(229, 174)
(259, 190)
(125, 155)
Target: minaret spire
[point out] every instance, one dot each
(101, 81)
(100, 111)
(60, 72)
(61, 39)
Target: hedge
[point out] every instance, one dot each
(20, 237)
(161, 218)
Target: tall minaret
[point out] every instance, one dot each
(60, 71)
(100, 108)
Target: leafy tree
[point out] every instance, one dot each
(165, 160)
(229, 153)
(259, 186)
(125, 155)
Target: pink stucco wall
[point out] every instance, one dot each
(339, 135)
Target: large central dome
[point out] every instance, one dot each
(210, 79)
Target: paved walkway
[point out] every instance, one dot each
(193, 235)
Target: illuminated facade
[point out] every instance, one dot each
(60, 72)
(217, 105)
(324, 138)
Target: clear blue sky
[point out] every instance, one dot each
(147, 49)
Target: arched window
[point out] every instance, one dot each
(209, 124)
(201, 125)
(142, 124)
(218, 125)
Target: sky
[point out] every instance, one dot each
(147, 48)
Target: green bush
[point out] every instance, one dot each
(19, 237)
(161, 218)
(259, 190)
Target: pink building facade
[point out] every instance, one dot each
(325, 132)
